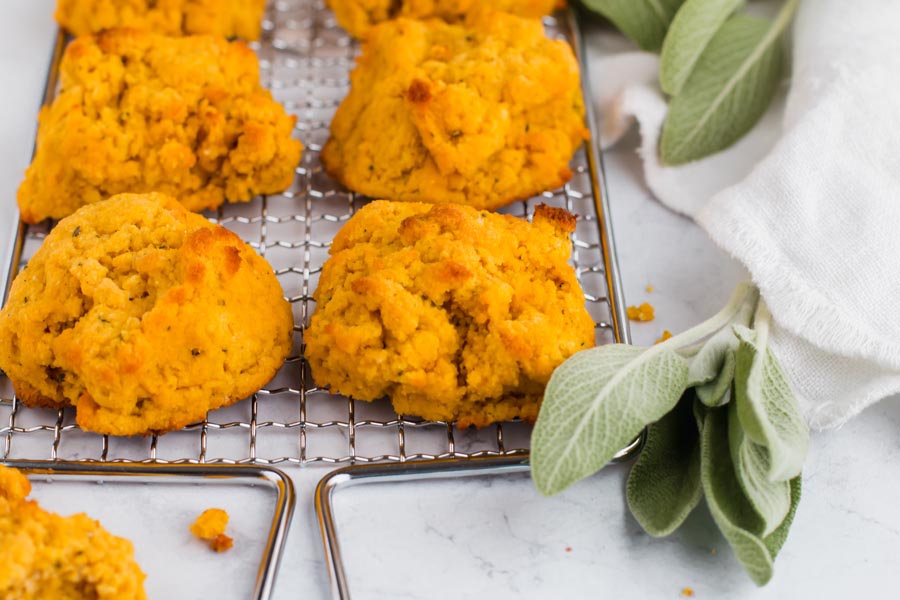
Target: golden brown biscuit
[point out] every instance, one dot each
(481, 114)
(454, 313)
(226, 18)
(143, 316)
(45, 555)
(358, 16)
(141, 112)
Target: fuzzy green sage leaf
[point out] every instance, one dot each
(766, 406)
(728, 90)
(644, 21)
(718, 391)
(776, 540)
(664, 484)
(730, 509)
(691, 30)
(770, 499)
(597, 402)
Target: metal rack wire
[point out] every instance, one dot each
(305, 59)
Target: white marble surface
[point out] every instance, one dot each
(497, 537)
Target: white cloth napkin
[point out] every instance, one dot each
(809, 200)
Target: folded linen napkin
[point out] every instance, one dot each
(809, 200)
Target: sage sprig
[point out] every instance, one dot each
(771, 500)
(694, 25)
(722, 423)
(765, 403)
(719, 67)
(664, 484)
(732, 511)
(593, 395)
(644, 21)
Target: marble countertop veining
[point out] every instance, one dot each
(495, 536)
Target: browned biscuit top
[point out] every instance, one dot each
(452, 312)
(225, 18)
(141, 112)
(143, 316)
(482, 113)
(358, 16)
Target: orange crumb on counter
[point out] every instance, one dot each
(687, 593)
(568, 548)
(644, 312)
(649, 289)
(666, 334)
(210, 525)
(221, 543)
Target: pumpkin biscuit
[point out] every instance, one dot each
(140, 112)
(45, 555)
(358, 16)
(226, 18)
(143, 316)
(452, 312)
(481, 114)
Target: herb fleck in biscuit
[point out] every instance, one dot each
(45, 555)
(454, 313)
(140, 112)
(226, 18)
(143, 316)
(480, 114)
(358, 16)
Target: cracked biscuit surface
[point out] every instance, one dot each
(482, 114)
(226, 18)
(452, 312)
(140, 112)
(358, 16)
(45, 555)
(143, 316)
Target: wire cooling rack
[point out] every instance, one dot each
(305, 59)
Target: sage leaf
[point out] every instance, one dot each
(771, 500)
(718, 391)
(664, 484)
(775, 541)
(693, 27)
(709, 361)
(644, 21)
(730, 509)
(700, 411)
(596, 402)
(766, 406)
(729, 89)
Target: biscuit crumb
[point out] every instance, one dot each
(644, 312)
(649, 289)
(666, 334)
(687, 593)
(221, 543)
(210, 525)
(568, 548)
